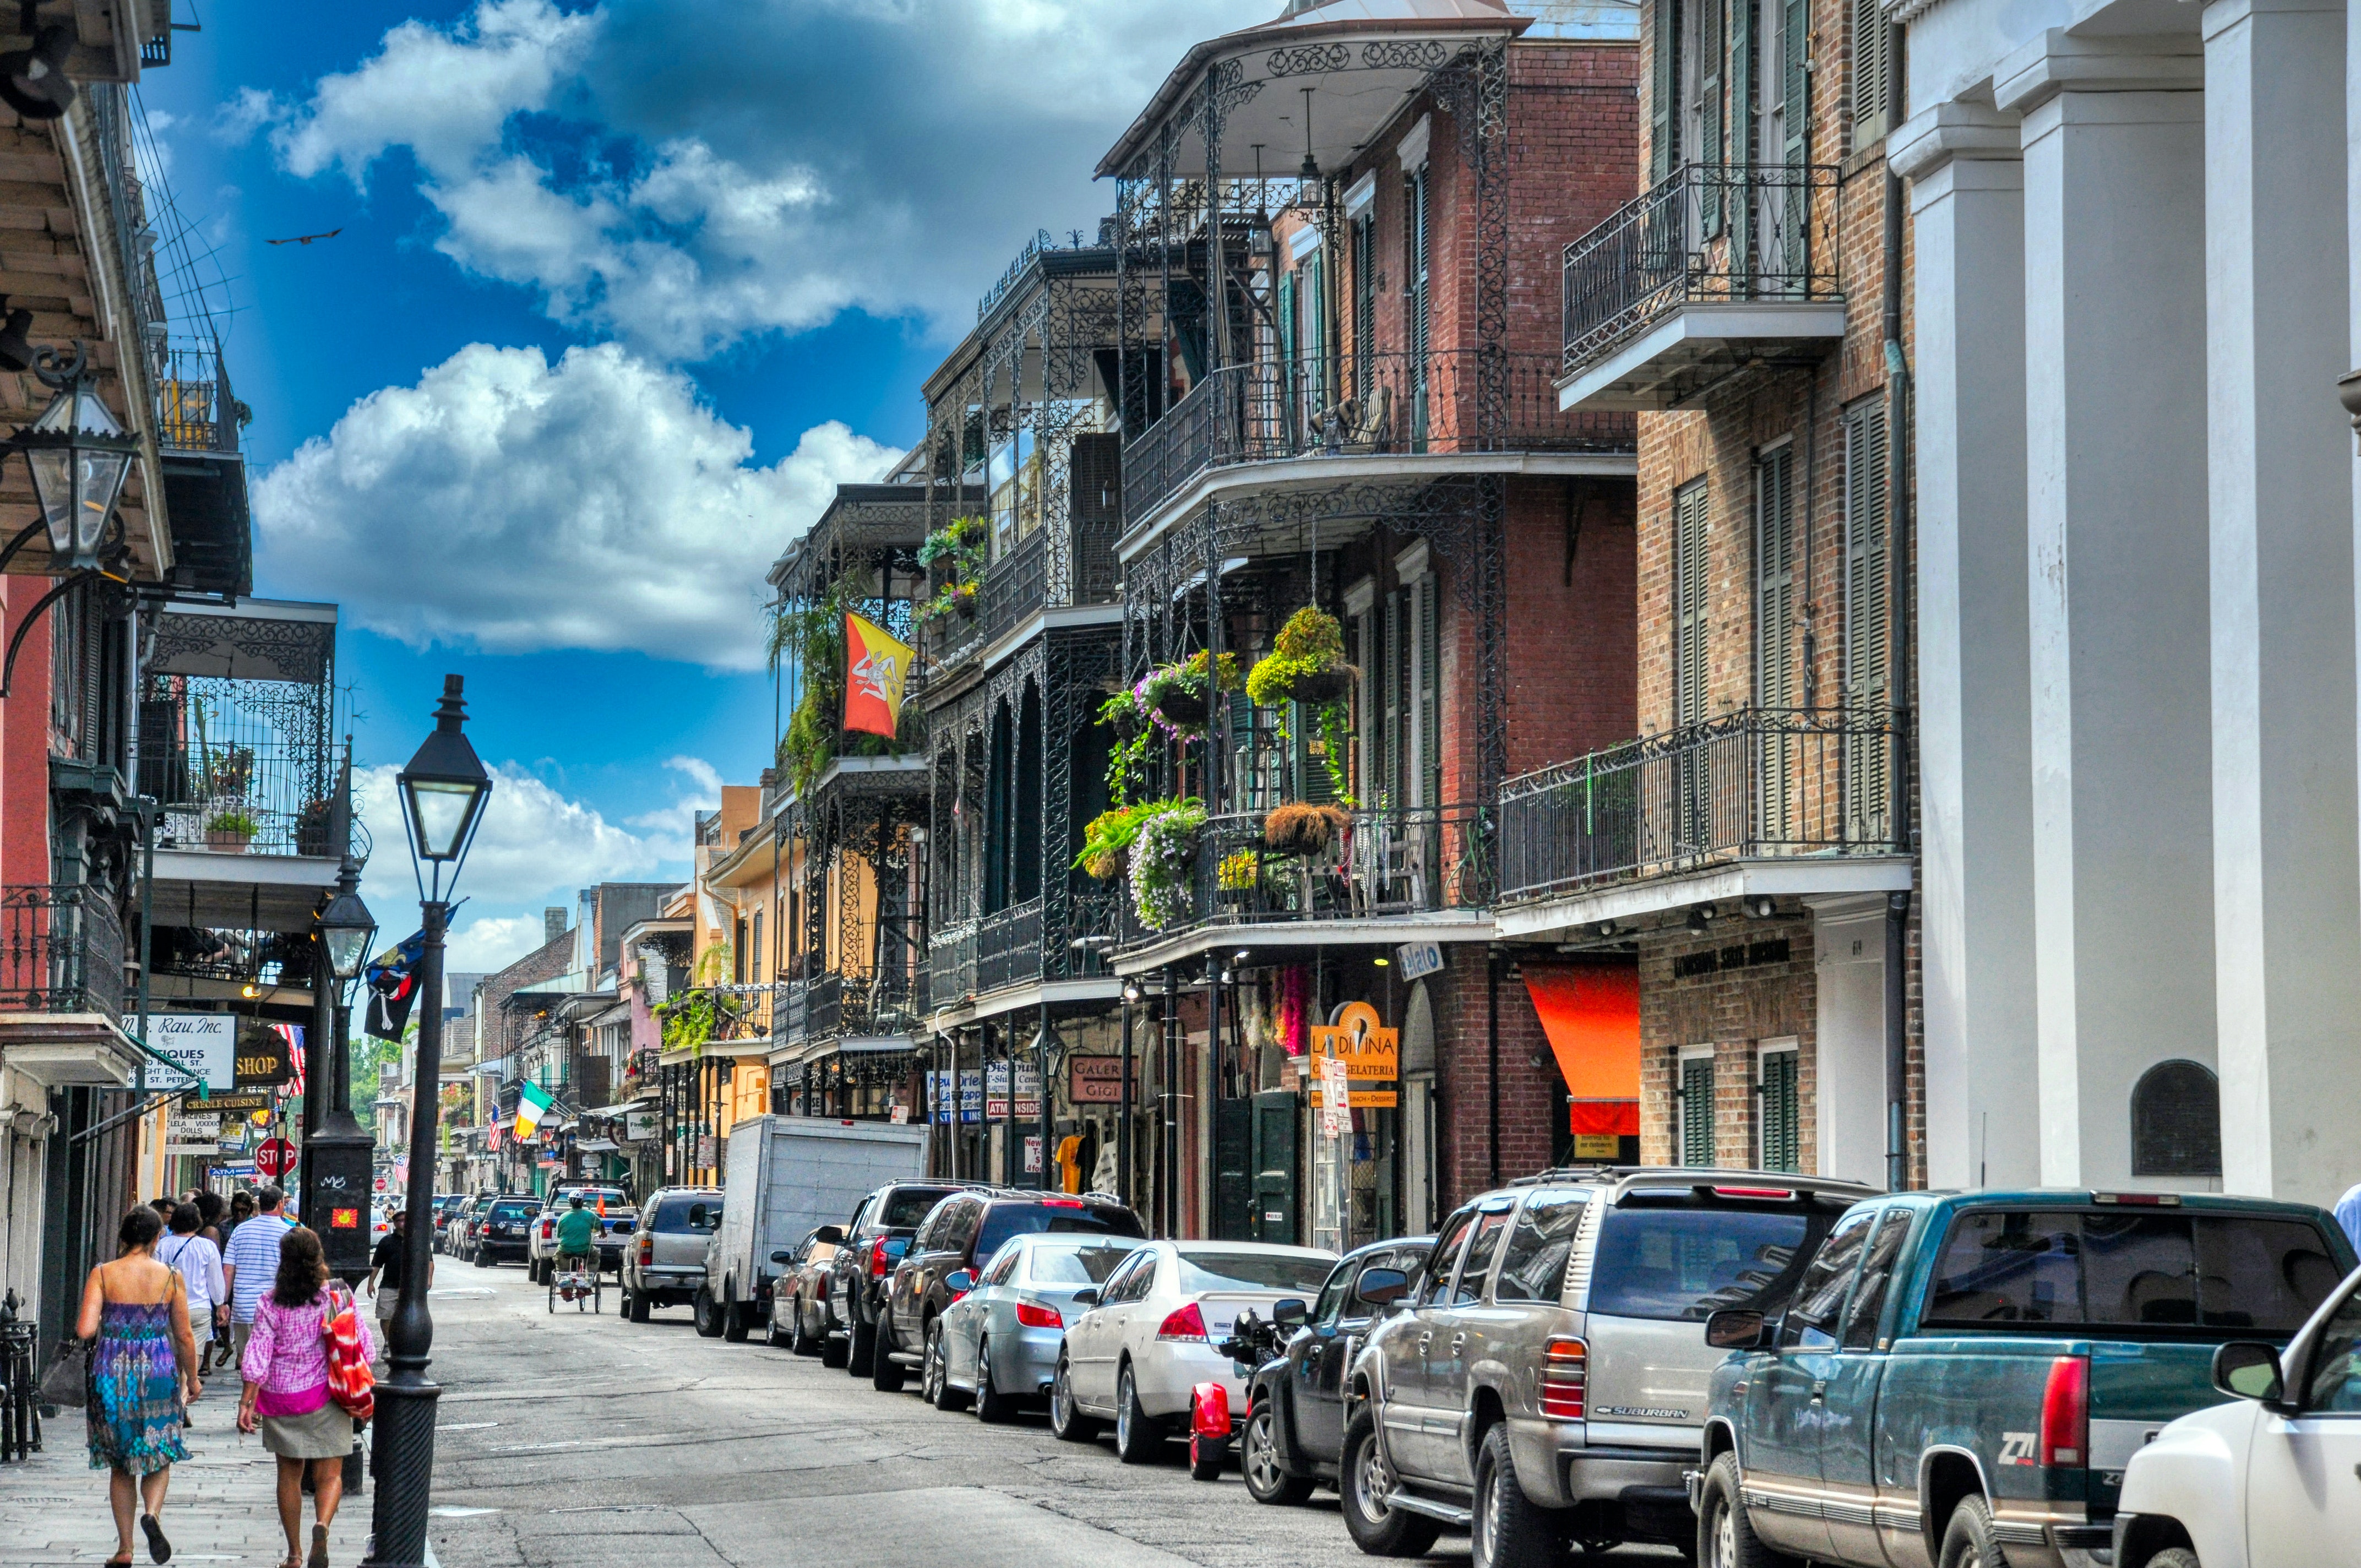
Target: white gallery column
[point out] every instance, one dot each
(2287, 877)
(1975, 725)
(2118, 604)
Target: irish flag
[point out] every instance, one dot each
(532, 1104)
(877, 667)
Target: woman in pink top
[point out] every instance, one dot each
(286, 1372)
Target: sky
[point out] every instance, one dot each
(616, 295)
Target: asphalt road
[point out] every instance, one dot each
(580, 1440)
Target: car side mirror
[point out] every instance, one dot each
(1290, 1313)
(829, 1235)
(781, 1254)
(897, 1247)
(961, 1282)
(1736, 1328)
(1381, 1287)
(1086, 1297)
(2248, 1369)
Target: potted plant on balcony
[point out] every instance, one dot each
(1183, 695)
(1106, 842)
(1303, 828)
(231, 830)
(228, 772)
(1164, 862)
(958, 547)
(1306, 663)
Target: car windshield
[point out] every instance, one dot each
(1002, 1221)
(907, 1206)
(687, 1214)
(2144, 1269)
(1251, 1271)
(1689, 1259)
(1083, 1263)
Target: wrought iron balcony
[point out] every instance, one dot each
(1010, 947)
(1759, 783)
(60, 951)
(1447, 402)
(1713, 267)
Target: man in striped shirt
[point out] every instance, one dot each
(251, 1264)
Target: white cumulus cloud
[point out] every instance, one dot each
(508, 503)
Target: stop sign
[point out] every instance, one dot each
(275, 1159)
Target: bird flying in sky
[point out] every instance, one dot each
(307, 238)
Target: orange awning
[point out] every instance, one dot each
(1590, 1011)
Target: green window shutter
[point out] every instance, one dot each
(1873, 50)
(1430, 690)
(1744, 115)
(1696, 1110)
(1365, 302)
(1775, 684)
(1712, 59)
(1867, 612)
(1690, 622)
(1664, 91)
(1782, 1141)
(1415, 316)
(1390, 768)
(1796, 108)
(1313, 270)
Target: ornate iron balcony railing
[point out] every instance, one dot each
(60, 951)
(1707, 233)
(1754, 783)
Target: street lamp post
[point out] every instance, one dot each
(443, 794)
(337, 1151)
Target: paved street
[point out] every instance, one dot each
(579, 1440)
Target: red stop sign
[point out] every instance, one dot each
(275, 1159)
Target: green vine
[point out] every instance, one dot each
(812, 639)
(960, 545)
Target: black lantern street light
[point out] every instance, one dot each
(80, 455)
(443, 794)
(336, 1150)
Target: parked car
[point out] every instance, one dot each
(663, 1261)
(616, 1221)
(962, 1230)
(459, 1229)
(1965, 1378)
(1147, 1338)
(1548, 1380)
(788, 1174)
(2258, 1482)
(997, 1342)
(1294, 1434)
(445, 1208)
(798, 1312)
(503, 1234)
(875, 1241)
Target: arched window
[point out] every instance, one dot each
(2177, 1120)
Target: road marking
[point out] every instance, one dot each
(453, 1511)
(466, 1426)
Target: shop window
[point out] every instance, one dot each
(2177, 1120)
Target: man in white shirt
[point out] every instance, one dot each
(200, 1266)
(251, 1264)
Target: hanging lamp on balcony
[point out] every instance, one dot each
(80, 455)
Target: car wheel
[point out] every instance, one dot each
(635, 1306)
(1725, 1535)
(1267, 1475)
(798, 1340)
(863, 1349)
(1067, 1424)
(936, 1387)
(2174, 1557)
(991, 1406)
(737, 1320)
(1138, 1436)
(1967, 1540)
(708, 1314)
(885, 1374)
(1364, 1482)
(1510, 1530)
(834, 1352)
(1204, 1464)
(772, 1336)
(480, 1260)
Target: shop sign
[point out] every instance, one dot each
(1333, 1097)
(1033, 1152)
(1094, 1080)
(262, 1058)
(1028, 1093)
(1598, 1146)
(192, 1129)
(638, 1126)
(1369, 1054)
(1420, 960)
(200, 1042)
(229, 1105)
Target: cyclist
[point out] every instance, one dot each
(578, 1237)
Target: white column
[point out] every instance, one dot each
(1975, 724)
(2117, 605)
(2287, 877)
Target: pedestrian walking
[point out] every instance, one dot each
(388, 1269)
(212, 1339)
(252, 1263)
(184, 1248)
(285, 1365)
(143, 1372)
(241, 1210)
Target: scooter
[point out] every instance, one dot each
(1254, 1343)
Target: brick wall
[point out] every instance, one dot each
(1735, 1010)
(1529, 1105)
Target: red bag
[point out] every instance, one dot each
(351, 1384)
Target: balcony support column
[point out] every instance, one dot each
(1966, 170)
(2117, 608)
(2287, 867)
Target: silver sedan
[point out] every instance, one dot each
(997, 1342)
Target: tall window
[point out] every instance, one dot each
(1781, 1109)
(1690, 602)
(1776, 682)
(1665, 86)
(1867, 609)
(1417, 251)
(1693, 1081)
(1365, 301)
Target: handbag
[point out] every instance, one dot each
(351, 1384)
(67, 1382)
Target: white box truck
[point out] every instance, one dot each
(784, 1177)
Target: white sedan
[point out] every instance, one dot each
(2272, 1479)
(1147, 1336)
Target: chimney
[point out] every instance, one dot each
(553, 924)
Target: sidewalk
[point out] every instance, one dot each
(221, 1508)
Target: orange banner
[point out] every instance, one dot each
(1590, 1011)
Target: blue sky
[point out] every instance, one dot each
(622, 292)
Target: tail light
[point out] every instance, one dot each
(877, 1258)
(1186, 1323)
(1565, 1376)
(647, 1251)
(1034, 1315)
(2066, 1413)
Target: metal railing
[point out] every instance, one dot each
(1383, 402)
(1015, 586)
(1707, 233)
(194, 409)
(1754, 783)
(1385, 863)
(238, 798)
(60, 951)
(1009, 945)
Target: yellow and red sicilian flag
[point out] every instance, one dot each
(877, 667)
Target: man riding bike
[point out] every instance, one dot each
(577, 1238)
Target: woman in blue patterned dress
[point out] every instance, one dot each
(143, 1370)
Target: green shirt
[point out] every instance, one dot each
(576, 1229)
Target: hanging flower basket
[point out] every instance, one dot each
(1300, 827)
(1306, 663)
(1164, 862)
(1184, 709)
(1334, 683)
(1182, 695)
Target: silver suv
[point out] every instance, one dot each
(1546, 1381)
(664, 1259)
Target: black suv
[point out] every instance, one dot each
(872, 1243)
(963, 1232)
(504, 1230)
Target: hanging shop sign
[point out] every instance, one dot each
(193, 1129)
(638, 1126)
(1369, 1053)
(1094, 1080)
(1028, 1093)
(230, 1106)
(203, 1043)
(971, 1095)
(263, 1058)
(1420, 960)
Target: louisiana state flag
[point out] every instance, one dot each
(877, 667)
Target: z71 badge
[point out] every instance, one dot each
(2017, 1448)
(1642, 1413)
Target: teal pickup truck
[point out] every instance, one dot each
(1959, 1380)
